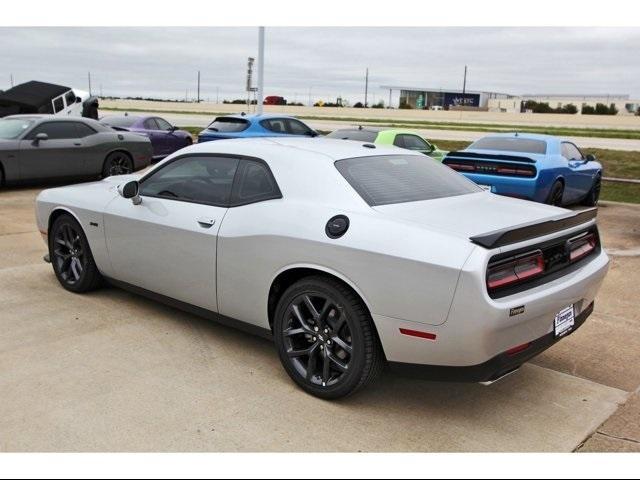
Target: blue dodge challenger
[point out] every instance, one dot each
(541, 168)
(265, 125)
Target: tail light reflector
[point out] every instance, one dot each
(515, 270)
(581, 247)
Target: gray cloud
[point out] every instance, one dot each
(162, 62)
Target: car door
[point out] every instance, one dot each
(578, 179)
(171, 142)
(167, 244)
(156, 136)
(60, 155)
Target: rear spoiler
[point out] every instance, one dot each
(483, 156)
(527, 231)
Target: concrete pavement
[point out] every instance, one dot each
(110, 371)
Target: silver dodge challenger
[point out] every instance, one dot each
(351, 256)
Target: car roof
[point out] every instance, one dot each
(329, 149)
(33, 116)
(524, 135)
(255, 116)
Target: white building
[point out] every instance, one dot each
(623, 103)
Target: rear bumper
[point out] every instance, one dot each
(493, 368)
(526, 188)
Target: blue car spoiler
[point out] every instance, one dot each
(527, 231)
(483, 156)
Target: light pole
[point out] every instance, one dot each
(366, 87)
(259, 100)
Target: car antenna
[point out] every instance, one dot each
(243, 114)
(359, 127)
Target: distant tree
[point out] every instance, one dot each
(570, 108)
(588, 110)
(612, 109)
(380, 104)
(358, 105)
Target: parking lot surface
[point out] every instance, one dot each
(111, 371)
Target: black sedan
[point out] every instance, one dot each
(47, 147)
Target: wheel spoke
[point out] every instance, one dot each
(74, 269)
(326, 368)
(295, 331)
(301, 353)
(312, 363)
(343, 367)
(312, 309)
(342, 344)
(301, 320)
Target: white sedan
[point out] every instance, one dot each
(349, 255)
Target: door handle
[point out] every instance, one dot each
(206, 222)
(77, 144)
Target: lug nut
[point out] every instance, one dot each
(314, 339)
(328, 342)
(326, 330)
(315, 329)
(321, 347)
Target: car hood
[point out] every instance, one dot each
(473, 214)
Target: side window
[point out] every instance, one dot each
(55, 130)
(413, 142)
(58, 104)
(83, 130)
(255, 183)
(276, 125)
(70, 98)
(197, 179)
(150, 124)
(297, 128)
(163, 124)
(399, 141)
(571, 152)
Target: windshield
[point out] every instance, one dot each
(387, 179)
(11, 128)
(122, 122)
(228, 124)
(510, 144)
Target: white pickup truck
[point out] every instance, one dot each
(47, 98)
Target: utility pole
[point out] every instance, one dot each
(217, 95)
(366, 87)
(89, 83)
(260, 98)
(198, 86)
(464, 84)
(389, 106)
(11, 80)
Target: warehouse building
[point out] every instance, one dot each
(423, 98)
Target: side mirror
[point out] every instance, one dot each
(41, 137)
(173, 128)
(78, 100)
(591, 158)
(130, 190)
(312, 133)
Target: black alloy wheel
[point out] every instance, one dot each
(591, 200)
(326, 339)
(556, 193)
(71, 256)
(117, 163)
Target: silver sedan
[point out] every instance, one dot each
(349, 255)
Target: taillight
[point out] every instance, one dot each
(461, 166)
(517, 171)
(581, 247)
(515, 270)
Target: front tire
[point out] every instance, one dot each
(117, 163)
(556, 193)
(326, 339)
(71, 256)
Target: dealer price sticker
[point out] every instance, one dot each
(564, 321)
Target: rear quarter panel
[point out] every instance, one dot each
(9, 160)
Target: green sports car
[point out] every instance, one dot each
(384, 136)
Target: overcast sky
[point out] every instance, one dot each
(163, 62)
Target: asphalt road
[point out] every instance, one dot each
(110, 371)
(195, 120)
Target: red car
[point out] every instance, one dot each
(274, 100)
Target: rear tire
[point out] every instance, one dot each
(117, 163)
(326, 339)
(555, 195)
(591, 200)
(71, 256)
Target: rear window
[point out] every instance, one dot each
(387, 179)
(510, 144)
(358, 135)
(122, 122)
(228, 124)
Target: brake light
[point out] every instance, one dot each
(521, 172)
(461, 166)
(581, 247)
(515, 270)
